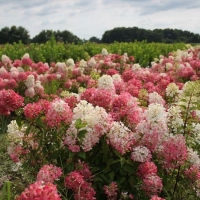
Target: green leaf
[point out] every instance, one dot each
(82, 154)
(122, 161)
(81, 134)
(129, 169)
(122, 180)
(111, 175)
(79, 124)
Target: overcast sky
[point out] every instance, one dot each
(87, 18)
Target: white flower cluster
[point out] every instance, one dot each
(61, 66)
(174, 118)
(154, 97)
(90, 114)
(92, 62)
(172, 90)
(197, 113)
(5, 59)
(196, 132)
(168, 66)
(96, 122)
(104, 52)
(82, 65)
(30, 81)
(136, 67)
(106, 82)
(59, 105)
(26, 55)
(15, 133)
(116, 77)
(193, 157)
(154, 120)
(70, 63)
(141, 154)
(155, 113)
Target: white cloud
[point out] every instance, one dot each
(87, 18)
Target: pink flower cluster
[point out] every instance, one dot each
(58, 112)
(40, 191)
(152, 183)
(49, 173)
(10, 101)
(81, 188)
(173, 151)
(111, 191)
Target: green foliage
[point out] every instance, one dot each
(53, 51)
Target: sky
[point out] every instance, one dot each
(88, 18)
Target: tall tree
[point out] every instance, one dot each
(14, 34)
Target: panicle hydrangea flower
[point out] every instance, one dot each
(85, 192)
(155, 113)
(106, 82)
(93, 116)
(82, 189)
(15, 133)
(196, 132)
(61, 67)
(153, 127)
(122, 105)
(74, 180)
(175, 121)
(155, 197)
(141, 154)
(10, 101)
(32, 110)
(193, 173)
(117, 78)
(197, 113)
(70, 63)
(152, 185)
(58, 112)
(154, 97)
(30, 81)
(193, 157)
(136, 67)
(120, 137)
(15, 151)
(125, 195)
(30, 92)
(91, 62)
(40, 191)
(104, 52)
(96, 123)
(147, 169)
(173, 151)
(84, 169)
(82, 63)
(5, 60)
(49, 173)
(111, 191)
(98, 97)
(71, 138)
(38, 87)
(172, 90)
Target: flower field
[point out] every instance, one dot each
(104, 127)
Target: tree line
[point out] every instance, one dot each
(120, 34)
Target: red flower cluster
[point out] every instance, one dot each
(40, 191)
(82, 189)
(10, 101)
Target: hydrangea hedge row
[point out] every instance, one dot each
(105, 128)
(58, 52)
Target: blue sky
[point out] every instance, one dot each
(87, 18)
